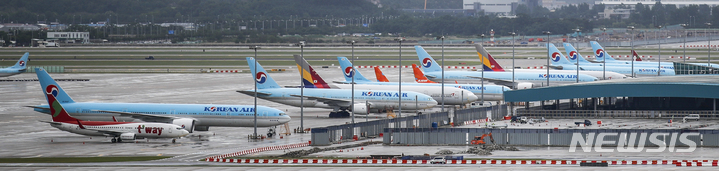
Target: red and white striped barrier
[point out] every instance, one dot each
(705, 163)
(476, 121)
(225, 71)
(260, 149)
(406, 66)
(536, 67)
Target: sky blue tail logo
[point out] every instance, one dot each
(349, 72)
(51, 89)
(573, 55)
(22, 63)
(426, 62)
(556, 56)
(261, 77)
(599, 53)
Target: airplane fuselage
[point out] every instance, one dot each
(140, 130)
(535, 78)
(378, 99)
(205, 114)
(491, 92)
(452, 95)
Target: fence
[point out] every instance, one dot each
(50, 69)
(331, 134)
(574, 114)
(550, 137)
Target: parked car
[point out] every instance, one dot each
(150, 58)
(438, 159)
(691, 117)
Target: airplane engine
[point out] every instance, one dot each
(521, 86)
(127, 136)
(186, 123)
(360, 108)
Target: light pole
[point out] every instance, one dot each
(400, 39)
(301, 44)
(548, 33)
(659, 64)
(442, 37)
(353, 82)
(482, 88)
(709, 45)
(254, 136)
(577, 32)
(513, 83)
(685, 42)
(604, 60)
(631, 43)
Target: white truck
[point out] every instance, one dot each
(691, 117)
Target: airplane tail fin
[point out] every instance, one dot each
(349, 72)
(47, 83)
(556, 57)
(599, 52)
(636, 56)
(59, 114)
(419, 75)
(263, 80)
(489, 63)
(380, 76)
(310, 78)
(428, 63)
(573, 54)
(22, 63)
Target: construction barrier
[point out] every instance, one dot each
(705, 163)
(259, 149)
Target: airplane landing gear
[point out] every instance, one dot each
(271, 132)
(340, 114)
(114, 140)
(119, 140)
(173, 140)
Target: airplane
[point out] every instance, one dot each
(198, 117)
(574, 56)
(337, 99)
(600, 53)
(523, 79)
(561, 62)
(636, 56)
(494, 66)
(491, 92)
(19, 67)
(119, 131)
(452, 95)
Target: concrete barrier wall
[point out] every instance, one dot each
(538, 137)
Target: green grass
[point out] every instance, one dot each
(80, 159)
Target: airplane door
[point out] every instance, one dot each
(169, 129)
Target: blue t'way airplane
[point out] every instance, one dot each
(434, 72)
(337, 99)
(560, 62)
(18, 68)
(189, 116)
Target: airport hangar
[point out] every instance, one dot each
(690, 94)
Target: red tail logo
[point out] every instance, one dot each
(380, 76)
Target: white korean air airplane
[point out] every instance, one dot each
(434, 72)
(494, 66)
(191, 117)
(453, 92)
(337, 99)
(561, 62)
(19, 67)
(118, 130)
(573, 55)
(602, 55)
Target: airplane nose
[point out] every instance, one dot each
(285, 119)
(432, 103)
(185, 132)
(472, 98)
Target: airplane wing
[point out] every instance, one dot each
(144, 117)
(328, 101)
(252, 93)
(496, 81)
(52, 123)
(556, 67)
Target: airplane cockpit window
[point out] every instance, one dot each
(282, 114)
(178, 128)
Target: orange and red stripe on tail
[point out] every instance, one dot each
(419, 75)
(380, 76)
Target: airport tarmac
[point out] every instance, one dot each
(24, 137)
